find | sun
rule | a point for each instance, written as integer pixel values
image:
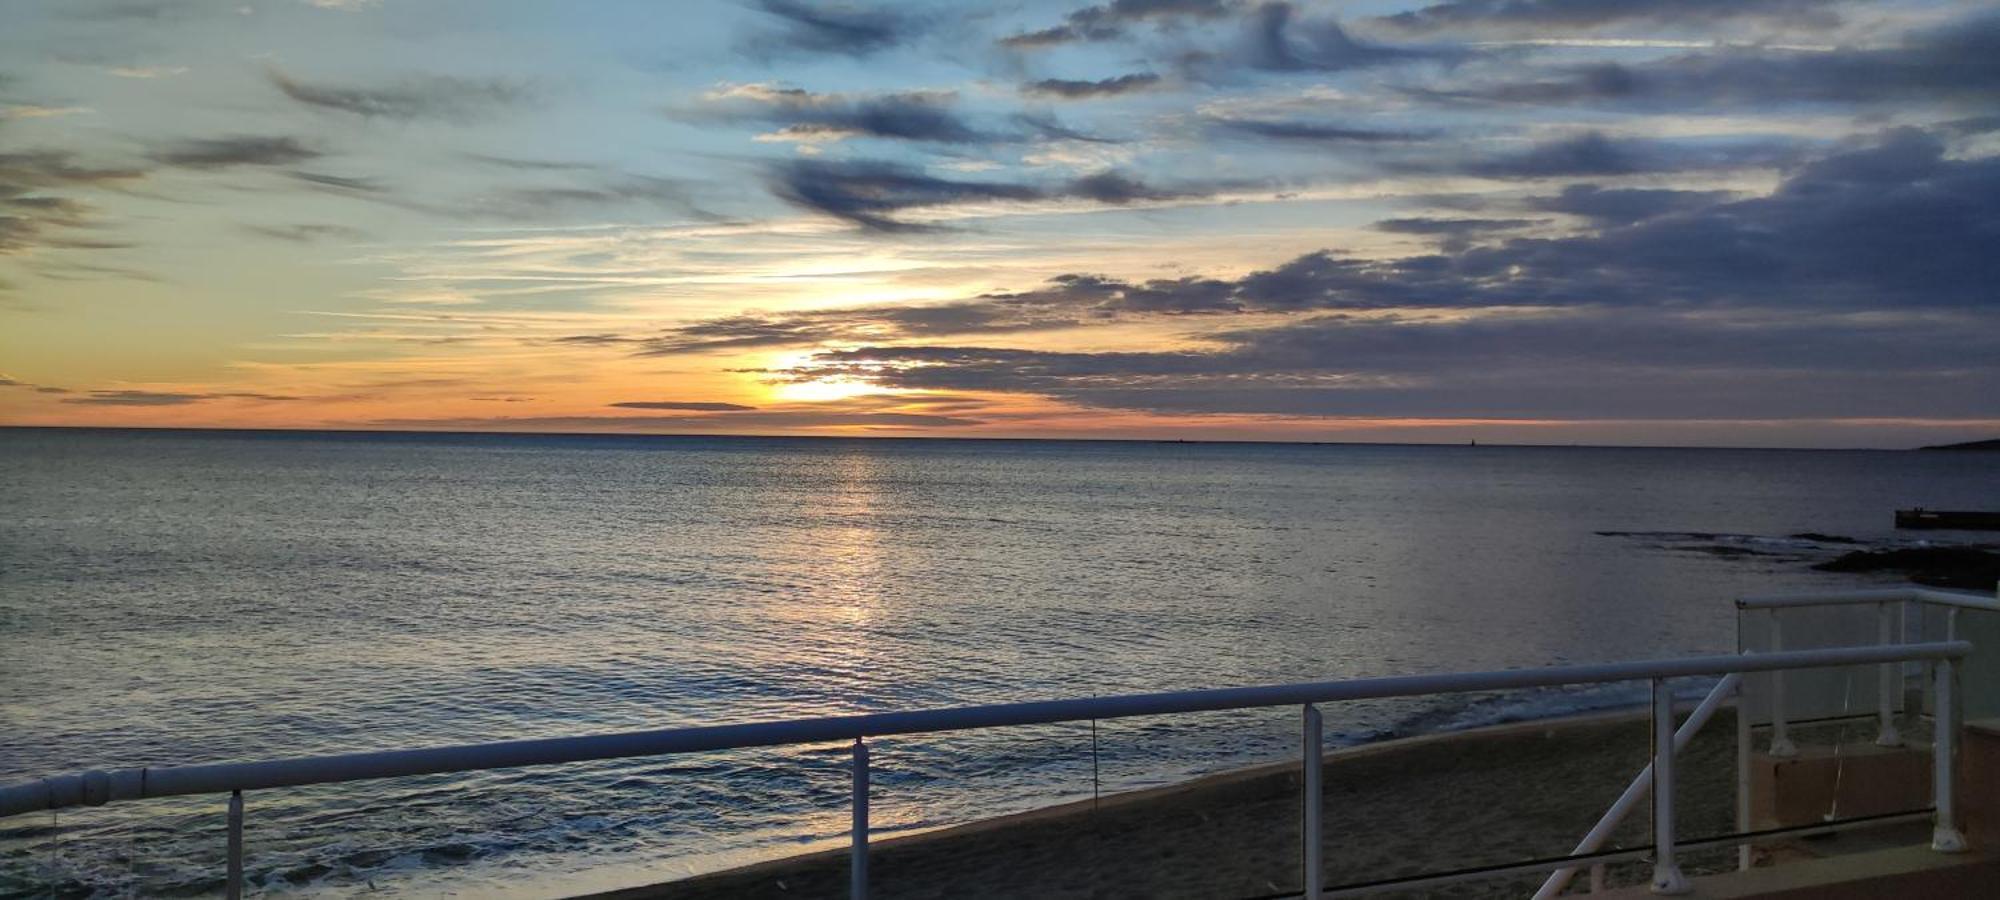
(814, 390)
(822, 390)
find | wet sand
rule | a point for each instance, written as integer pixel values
(1396, 808)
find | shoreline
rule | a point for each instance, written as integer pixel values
(1414, 800)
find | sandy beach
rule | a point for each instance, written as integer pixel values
(1395, 808)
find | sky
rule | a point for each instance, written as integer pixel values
(1679, 222)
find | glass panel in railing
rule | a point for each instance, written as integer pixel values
(1162, 806)
(1979, 674)
(1814, 693)
(1000, 811)
(167, 847)
(723, 824)
(1845, 783)
(1208, 804)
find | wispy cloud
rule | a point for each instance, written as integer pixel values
(684, 405)
(843, 29)
(418, 97)
(147, 71)
(1107, 21)
(228, 152)
(37, 209)
(305, 234)
(1538, 15)
(35, 111)
(1084, 90)
(871, 194)
(1277, 38)
(165, 398)
(806, 116)
(1596, 154)
(1313, 131)
(1958, 62)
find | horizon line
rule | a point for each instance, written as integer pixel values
(924, 437)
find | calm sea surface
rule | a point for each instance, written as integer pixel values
(171, 598)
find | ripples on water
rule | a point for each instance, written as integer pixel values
(169, 598)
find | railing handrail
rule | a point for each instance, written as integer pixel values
(1934, 596)
(96, 787)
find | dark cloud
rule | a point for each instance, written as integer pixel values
(1318, 132)
(1590, 363)
(427, 97)
(1892, 224)
(1676, 304)
(1454, 234)
(1620, 206)
(1536, 15)
(1451, 226)
(1275, 37)
(1956, 63)
(988, 315)
(837, 28)
(1063, 302)
(924, 116)
(164, 398)
(806, 116)
(1595, 155)
(1283, 42)
(1972, 125)
(1107, 21)
(1103, 87)
(871, 193)
(1118, 189)
(686, 405)
(223, 153)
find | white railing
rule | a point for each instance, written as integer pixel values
(1888, 601)
(96, 787)
(1892, 626)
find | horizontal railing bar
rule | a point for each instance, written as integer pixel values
(1935, 596)
(96, 788)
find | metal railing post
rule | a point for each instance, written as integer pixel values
(234, 886)
(857, 885)
(1667, 877)
(1744, 854)
(1781, 736)
(1309, 825)
(1891, 675)
(1945, 836)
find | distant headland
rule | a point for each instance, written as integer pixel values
(1991, 445)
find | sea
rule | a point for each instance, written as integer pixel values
(179, 597)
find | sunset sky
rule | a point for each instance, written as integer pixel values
(1746, 222)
